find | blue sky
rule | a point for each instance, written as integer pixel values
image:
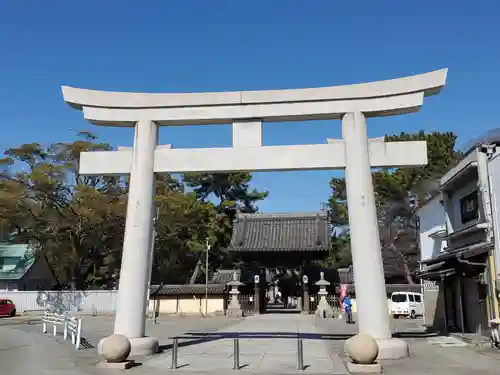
(188, 46)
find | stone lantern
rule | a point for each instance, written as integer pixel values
(324, 310)
(234, 308)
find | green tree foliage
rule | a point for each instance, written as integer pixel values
(182, 227)
(76, 223)
(68, 219)
(232, 190)
(232, 194)
(340, 253)
(398, 193)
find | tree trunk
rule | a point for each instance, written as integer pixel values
(405, 267)
(196, 271)
(407, 272)
(57, 285)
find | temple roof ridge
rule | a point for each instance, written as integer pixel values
(287, 231)
(281, 215)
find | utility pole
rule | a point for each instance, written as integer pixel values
(206, 277)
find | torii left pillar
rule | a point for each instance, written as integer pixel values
(137, 251)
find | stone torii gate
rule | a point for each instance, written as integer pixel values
(247, 110)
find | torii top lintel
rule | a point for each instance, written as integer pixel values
(379, 98)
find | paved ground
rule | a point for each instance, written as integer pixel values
(24, 348)
(268, 345)
(429, 353)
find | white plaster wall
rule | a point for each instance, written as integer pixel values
(187, 305)
(494, 172)
(102, 301)
(432, 219)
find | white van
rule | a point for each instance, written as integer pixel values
(407, 304)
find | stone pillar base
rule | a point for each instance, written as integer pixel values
(125, 365)
(324, 309)
(392, 348)
(235, 312)
(356, 368)
(139, 346)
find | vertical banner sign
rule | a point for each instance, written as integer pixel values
(343, 292)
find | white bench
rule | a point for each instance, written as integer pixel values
(73, 326)
(54, 319)
(70, 325)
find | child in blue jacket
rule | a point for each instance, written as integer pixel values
(348, 309)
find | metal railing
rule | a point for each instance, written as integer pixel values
(247, 302)
(236, 351)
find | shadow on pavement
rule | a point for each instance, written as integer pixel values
(190, 339)
(85, 344)
(415, 335)
(272, 335)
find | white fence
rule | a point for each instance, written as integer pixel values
(89, 301)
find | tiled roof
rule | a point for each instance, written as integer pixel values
(24, 260)
(224, 276)
(187, 289)
(8, 250)
(281, 232)
(217, 285)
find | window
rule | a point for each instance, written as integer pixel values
(411, 298)
(418, 298)
(399, 298)
(469, 207)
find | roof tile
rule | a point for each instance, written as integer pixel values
(187, 289)
(281, 232)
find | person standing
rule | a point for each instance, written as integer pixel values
(348, 309)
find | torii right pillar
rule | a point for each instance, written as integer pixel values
(371, 296)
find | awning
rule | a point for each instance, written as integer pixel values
(437, 274)
(465, 252)
(439, 264)
(468, 230)
(432, 267)
(433, 270)
(441, 257)
(474, 250)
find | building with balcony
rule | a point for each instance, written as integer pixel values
(459, 244)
